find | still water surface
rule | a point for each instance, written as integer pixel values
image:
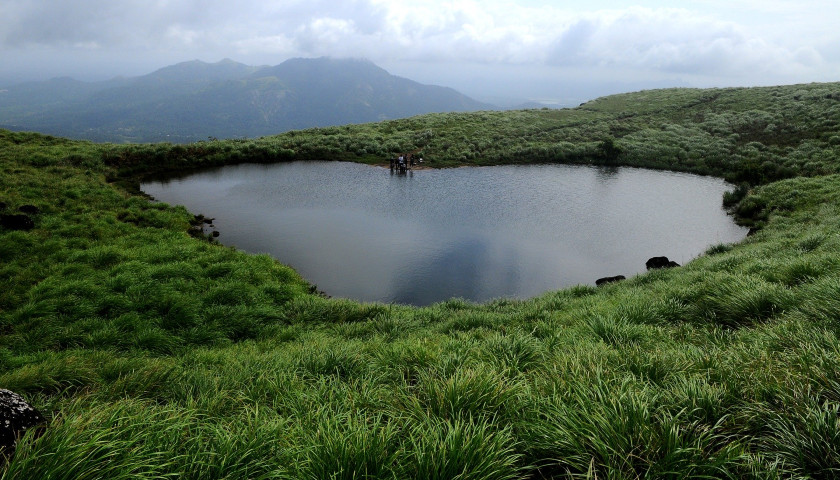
(478, 233)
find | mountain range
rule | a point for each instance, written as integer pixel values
(195, 100)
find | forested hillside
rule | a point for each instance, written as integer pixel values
(154, 352)
(193, 101)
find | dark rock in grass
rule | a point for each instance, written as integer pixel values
(660, 262)
(29, 209)
(16, 222)
(605, 280)
(16, 417)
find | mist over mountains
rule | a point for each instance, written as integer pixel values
(195, 100)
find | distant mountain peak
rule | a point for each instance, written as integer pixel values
(194, 100)
(200, 71)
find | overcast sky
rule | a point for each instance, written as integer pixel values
(557, 51)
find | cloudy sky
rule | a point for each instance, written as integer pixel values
(560, 51)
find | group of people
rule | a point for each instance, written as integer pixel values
(405, 161)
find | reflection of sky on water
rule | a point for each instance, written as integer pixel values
(477, 233)
(466, 267)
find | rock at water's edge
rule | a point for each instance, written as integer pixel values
(605, 280)
(660, 262)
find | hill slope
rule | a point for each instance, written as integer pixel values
(752, 135)
(195, 100)
(154, 353)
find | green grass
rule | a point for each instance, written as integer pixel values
(157, 354)
(751, 136)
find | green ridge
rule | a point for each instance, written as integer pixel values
(159, 354)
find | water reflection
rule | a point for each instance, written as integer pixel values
(478, 233)
(604, 174)
(466, 268)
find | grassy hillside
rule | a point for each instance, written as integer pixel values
(754, 135)
(155, 353)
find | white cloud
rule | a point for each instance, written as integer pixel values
(742, 41)
(674, 41)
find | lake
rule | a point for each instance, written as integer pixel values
(477, 233)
